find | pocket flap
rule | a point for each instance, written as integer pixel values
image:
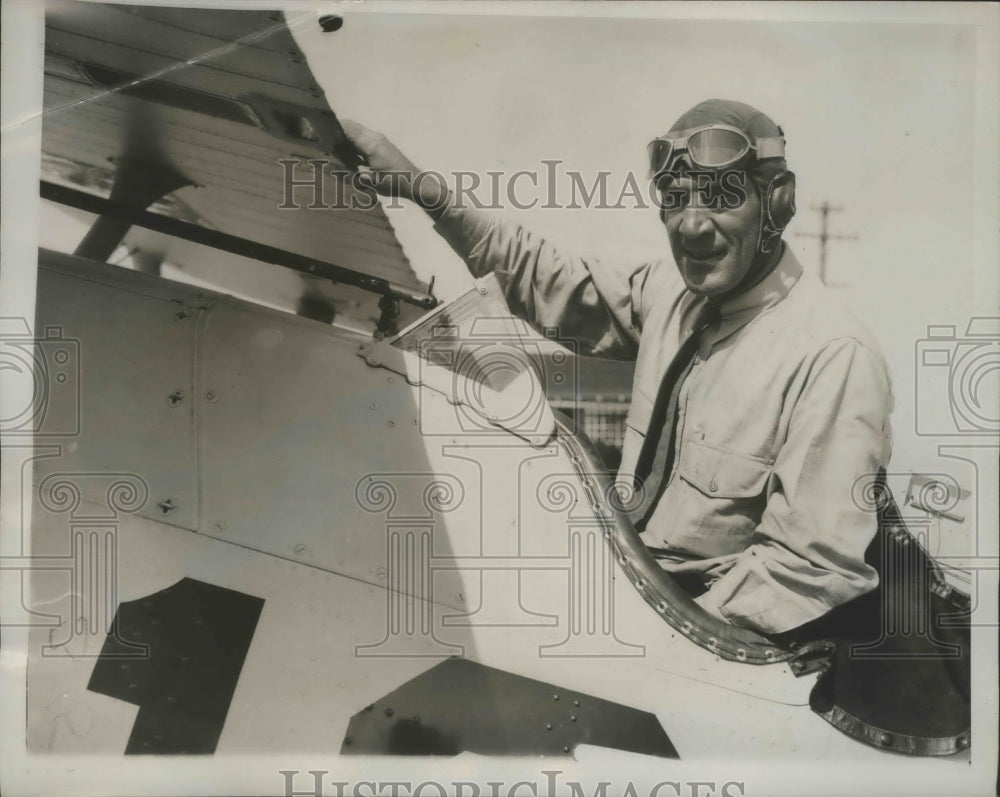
(722, 474)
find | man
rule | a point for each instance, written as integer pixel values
(759, 407)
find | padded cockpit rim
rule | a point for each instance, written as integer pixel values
(656, 585)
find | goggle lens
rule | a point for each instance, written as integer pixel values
(660, 151)
(714, 148)
(711, 148)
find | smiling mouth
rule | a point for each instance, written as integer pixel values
(705, 257)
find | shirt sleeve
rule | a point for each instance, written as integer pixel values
(808, 553)
(599, 307)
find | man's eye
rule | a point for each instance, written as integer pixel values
(673, 196)
(665, 180)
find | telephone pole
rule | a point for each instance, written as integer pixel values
(825, 235)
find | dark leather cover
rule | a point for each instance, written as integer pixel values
(896, 662)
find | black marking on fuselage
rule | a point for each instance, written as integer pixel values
(198, 635)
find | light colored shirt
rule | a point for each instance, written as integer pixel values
(782, 420)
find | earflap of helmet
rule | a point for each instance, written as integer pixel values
(777, 208)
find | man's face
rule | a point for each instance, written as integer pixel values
(712, 220)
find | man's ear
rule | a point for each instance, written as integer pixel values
(780, 200)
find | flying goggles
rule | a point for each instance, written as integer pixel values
(715, 146)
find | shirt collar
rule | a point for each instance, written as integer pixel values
(768, 292)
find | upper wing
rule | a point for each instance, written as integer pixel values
(213, 101)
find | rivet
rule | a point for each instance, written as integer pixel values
(390, 424)
(713, 485)
(555, 697)
(348, 740)
(962, 742)
(300, 548)
(373, 405)
(565, 748)
(330, 22)
(389, 712)
(576, 702)
(548, 726)
(885, 739)
(572, 717)
(211, 395)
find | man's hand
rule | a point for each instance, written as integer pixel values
(389, 172)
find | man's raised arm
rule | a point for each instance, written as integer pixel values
(599, 307)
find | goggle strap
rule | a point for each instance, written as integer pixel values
(772, 147)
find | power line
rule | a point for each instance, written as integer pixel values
(825, 235)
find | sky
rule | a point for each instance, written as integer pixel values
(880, 119)
(869, 112)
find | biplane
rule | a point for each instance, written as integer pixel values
(284, 499)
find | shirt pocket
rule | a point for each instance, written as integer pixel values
(717, 501)
(718, 473)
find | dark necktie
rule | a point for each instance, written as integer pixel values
(656, 458)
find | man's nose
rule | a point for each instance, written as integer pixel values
(695, 223)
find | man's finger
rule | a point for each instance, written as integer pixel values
(353, 130)
(357, 152)
(360, 136)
